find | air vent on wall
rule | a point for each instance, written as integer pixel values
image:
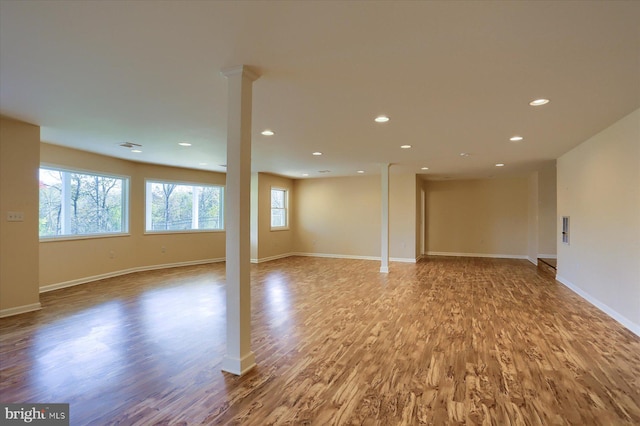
(324, 171)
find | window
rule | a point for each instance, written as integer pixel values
(278, 208)
(78, 203)
(172, 206)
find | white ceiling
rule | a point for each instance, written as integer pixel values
(453, 76)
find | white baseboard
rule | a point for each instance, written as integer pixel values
(548, 256)
(20, 310)
(336, 256)
(627, 323)
(84, 280)
(498, 256)
(350, 256)
(534, 261)
(270, 258)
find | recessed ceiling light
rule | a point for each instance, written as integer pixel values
(360, 171)
(317, 153)
(136, 150)
(381, 119)
(405, 146)
(202, 164)
(184, 144)
(305, 174)
(424, 168)
(538, 102)
(499, 164)
(267, 132)
(516, 138)
(464, 154)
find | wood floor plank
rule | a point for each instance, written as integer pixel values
(444, 341)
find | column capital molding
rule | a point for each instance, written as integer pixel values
(241, 70)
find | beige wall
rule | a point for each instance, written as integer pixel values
(19, 162)
(482, 217)
(338, 216)
(341, 216)
(547, 217)
(272, 244)
(533, 217)
(599, 189)
(402, 217)
(67, 261)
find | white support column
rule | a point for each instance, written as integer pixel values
(384, 223)
(239, 358)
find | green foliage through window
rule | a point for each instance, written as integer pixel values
(178, 207)
(74, 203)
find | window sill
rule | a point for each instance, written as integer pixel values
(280, 228)
(186, 231)
(61, 238)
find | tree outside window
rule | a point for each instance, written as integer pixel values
(173, 206)
(278, 208)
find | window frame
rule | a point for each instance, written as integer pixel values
(125, 203)
(148, 211)
(285, 209)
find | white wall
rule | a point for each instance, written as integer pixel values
(599, 188)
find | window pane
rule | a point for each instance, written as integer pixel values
(179, 207)
(278, 208)
(50, 202)
(74, 203)
(210, 210)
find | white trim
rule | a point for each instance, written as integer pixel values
(355, 257)
(239, 366)
(499, 256)
(337, 256)
(65, 284)
(534, 261)
(548, 256)
(403, 259)
(270, 258)
(627, 323)
(20, 310)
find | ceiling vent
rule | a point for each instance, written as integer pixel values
(130, 145)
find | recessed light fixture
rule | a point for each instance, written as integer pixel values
(538, 102)
(317, 153)
(381, 119)
(516, 138)
(136, 151)
(499, 164)
(405, 146)
(305, 174)
(424, 168)
(184, 144)
(360, 171)
(267, 132)
(202, 164)
(464, 154)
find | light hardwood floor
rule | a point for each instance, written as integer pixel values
(443, 341)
